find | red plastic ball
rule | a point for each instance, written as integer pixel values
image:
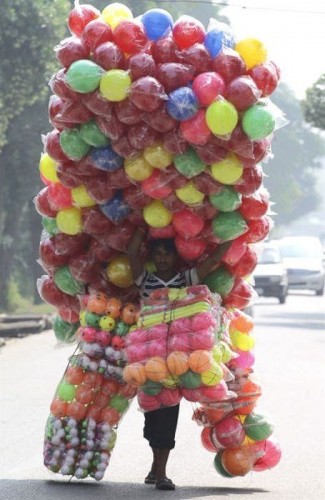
(95, 33)
(80, 16)
(130, 36)
(187, 31)
(208, 86)
(187, 223)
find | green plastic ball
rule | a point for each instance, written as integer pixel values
(226, 200)
(66, 282)
(189, 164)
(64, 331)
(92, 135)
(219, 467)
(66, 391)
(119, 403)
(190, 380)
(151, 388)
(49, 224)
(229, 225)
(258, 122)
(258, 426)
(220, 281)
(84, 76)
(73, 145)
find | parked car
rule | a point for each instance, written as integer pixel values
(303, 258)
(270, 274)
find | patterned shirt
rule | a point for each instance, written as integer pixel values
(147, 282)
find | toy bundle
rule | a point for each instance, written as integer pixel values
(179, 355)
(92, 396)
(161, 123)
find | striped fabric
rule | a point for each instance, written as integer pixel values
(147, 282)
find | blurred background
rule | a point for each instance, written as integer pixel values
(295, 175)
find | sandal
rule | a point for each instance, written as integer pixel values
(165, 484)
(151, 478)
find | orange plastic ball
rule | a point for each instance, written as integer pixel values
(243, 323)
(59, 408)
(110, 415)
(113, 308)
(238, 461)
(177, 362)
(156, 369)
(200, 361)
(84, 394)
(97, 303)
(74, 375)
(76, 410)
(135, 374)
(129, 313)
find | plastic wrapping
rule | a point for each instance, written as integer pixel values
(175, 351)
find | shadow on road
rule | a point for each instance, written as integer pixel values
(76, 490)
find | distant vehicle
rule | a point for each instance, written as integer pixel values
(270, 274)
(303, 258)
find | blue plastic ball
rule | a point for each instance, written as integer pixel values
(106, 159)
(182, 104)
(157, 23)
(217, 38)
(116, 209)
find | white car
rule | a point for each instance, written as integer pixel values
(270, 274)
(303, 258)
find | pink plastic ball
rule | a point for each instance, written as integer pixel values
(208, 86)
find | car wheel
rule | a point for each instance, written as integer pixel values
(320, 291)
(282, 299)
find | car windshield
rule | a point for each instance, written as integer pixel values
(301, 249)
(270, 256)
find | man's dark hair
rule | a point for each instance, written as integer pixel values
(167, 244)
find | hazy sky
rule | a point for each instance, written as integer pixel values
(293, 35)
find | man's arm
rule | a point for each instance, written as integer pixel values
(212, 261)
(134, 252)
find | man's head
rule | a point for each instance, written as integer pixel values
(164, 254)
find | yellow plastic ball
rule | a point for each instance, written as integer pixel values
(81, 198)
(189, 195)
(252, 51)
(114, 85)
(171, 381)
(107, 323)
(138, 169)
(119, 272)
(69, 221)
(213, 376)
(157, 215)
(227, 171)
(221, 117)
(47, 168)
(82, 318)
(245, 342)
(114, 13)
(158, 156)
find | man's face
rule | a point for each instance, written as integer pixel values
(163, 259)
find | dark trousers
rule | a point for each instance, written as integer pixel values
(160, 427)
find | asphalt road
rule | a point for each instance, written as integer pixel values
(290, 364)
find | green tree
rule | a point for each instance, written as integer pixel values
(297, 152)
(314, 104)
(29, 31)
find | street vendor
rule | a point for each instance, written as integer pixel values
(160, 425)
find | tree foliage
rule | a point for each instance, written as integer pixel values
(314, 104)
(297, 153)
(29, 31)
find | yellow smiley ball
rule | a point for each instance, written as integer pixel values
(81, 198)
(158, 156)
(107, 323)
(69, 221)
(119, 272)
(189, 194)
(114, 85)
(252, 51)
(114, 13)
(157, 215)
(47, 168)
(227, 171)
(138, 169)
